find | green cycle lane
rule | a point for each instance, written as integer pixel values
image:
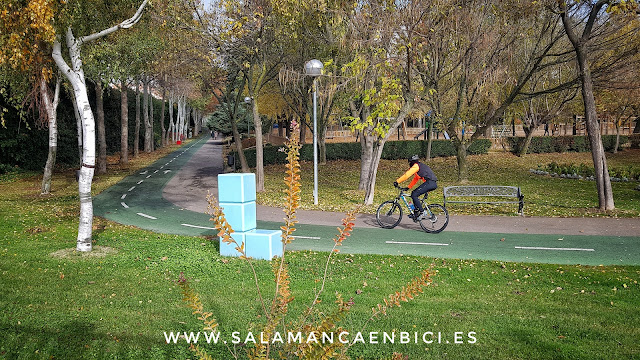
(137, 200)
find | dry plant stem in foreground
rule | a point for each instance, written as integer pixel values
(276, 314)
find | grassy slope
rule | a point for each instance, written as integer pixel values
(119, 305)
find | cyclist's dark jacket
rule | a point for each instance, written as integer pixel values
(420, 172)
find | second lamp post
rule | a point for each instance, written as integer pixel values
(313, 68)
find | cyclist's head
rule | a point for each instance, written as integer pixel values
(413, 159)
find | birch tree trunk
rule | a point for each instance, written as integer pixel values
(172, 128)
(124, 123)
(152, 138)
(145, 115)
(136, 136)
(102, 141)
(78, 123)
(51, 107)
(163, 141)
(75, 75)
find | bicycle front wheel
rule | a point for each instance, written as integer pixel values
(436, 220)
(389, 214)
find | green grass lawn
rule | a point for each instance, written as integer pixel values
(118, 303)
(544, 195)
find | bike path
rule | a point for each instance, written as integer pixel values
(138, 200)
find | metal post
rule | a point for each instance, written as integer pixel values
(315, 144)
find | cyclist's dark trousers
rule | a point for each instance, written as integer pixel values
(427, 186)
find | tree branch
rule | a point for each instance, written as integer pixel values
(123, 25)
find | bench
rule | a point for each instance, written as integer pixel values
(485, 191)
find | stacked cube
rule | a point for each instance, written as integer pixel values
(237, 197)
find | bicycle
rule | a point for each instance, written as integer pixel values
(434, 220)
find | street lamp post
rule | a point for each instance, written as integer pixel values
(313, 68)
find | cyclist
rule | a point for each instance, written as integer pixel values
(422, 172)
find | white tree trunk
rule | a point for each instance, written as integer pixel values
(75, 75)
(172, 126)
(78, 124)
(51, 106)
(145, 115)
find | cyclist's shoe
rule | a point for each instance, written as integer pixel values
(424, 215)
(415, 216)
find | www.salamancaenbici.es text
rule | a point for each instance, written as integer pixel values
(344, 337)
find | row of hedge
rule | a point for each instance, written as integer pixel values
(550, 144)
(352, 151)
(25, 145)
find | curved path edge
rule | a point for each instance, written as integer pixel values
(169, 196)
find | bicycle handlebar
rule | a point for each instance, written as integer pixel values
(402, 188)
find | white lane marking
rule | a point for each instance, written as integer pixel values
(147, 216)
(124, 205)
(166, 171)
(142, 173)
(156, 171)
(123, 196)
(161, 167)
(415, 243)
(131, 188)
(199, 227)
(306, 237)
(166, 164)
(148, 176)
(550, 248)
(140, 182)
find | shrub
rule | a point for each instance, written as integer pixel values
(629, 172)
(550, 144)
(393, 150)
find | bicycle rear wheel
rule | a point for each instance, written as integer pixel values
(438, 221)
(389, 214)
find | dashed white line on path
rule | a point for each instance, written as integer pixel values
(306, 237)
(415, 243)
(550, 248)
(144, 172)
(147, 216)
(199, 227)
(140, 182)
(131, 188)
(123, 196)
(124, 205)
(148, 176)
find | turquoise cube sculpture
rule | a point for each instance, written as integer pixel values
(236, 187)
(263, 244)
(230, 249)
(240, 216)
(237, 198)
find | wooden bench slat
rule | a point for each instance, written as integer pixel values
(484, 191)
